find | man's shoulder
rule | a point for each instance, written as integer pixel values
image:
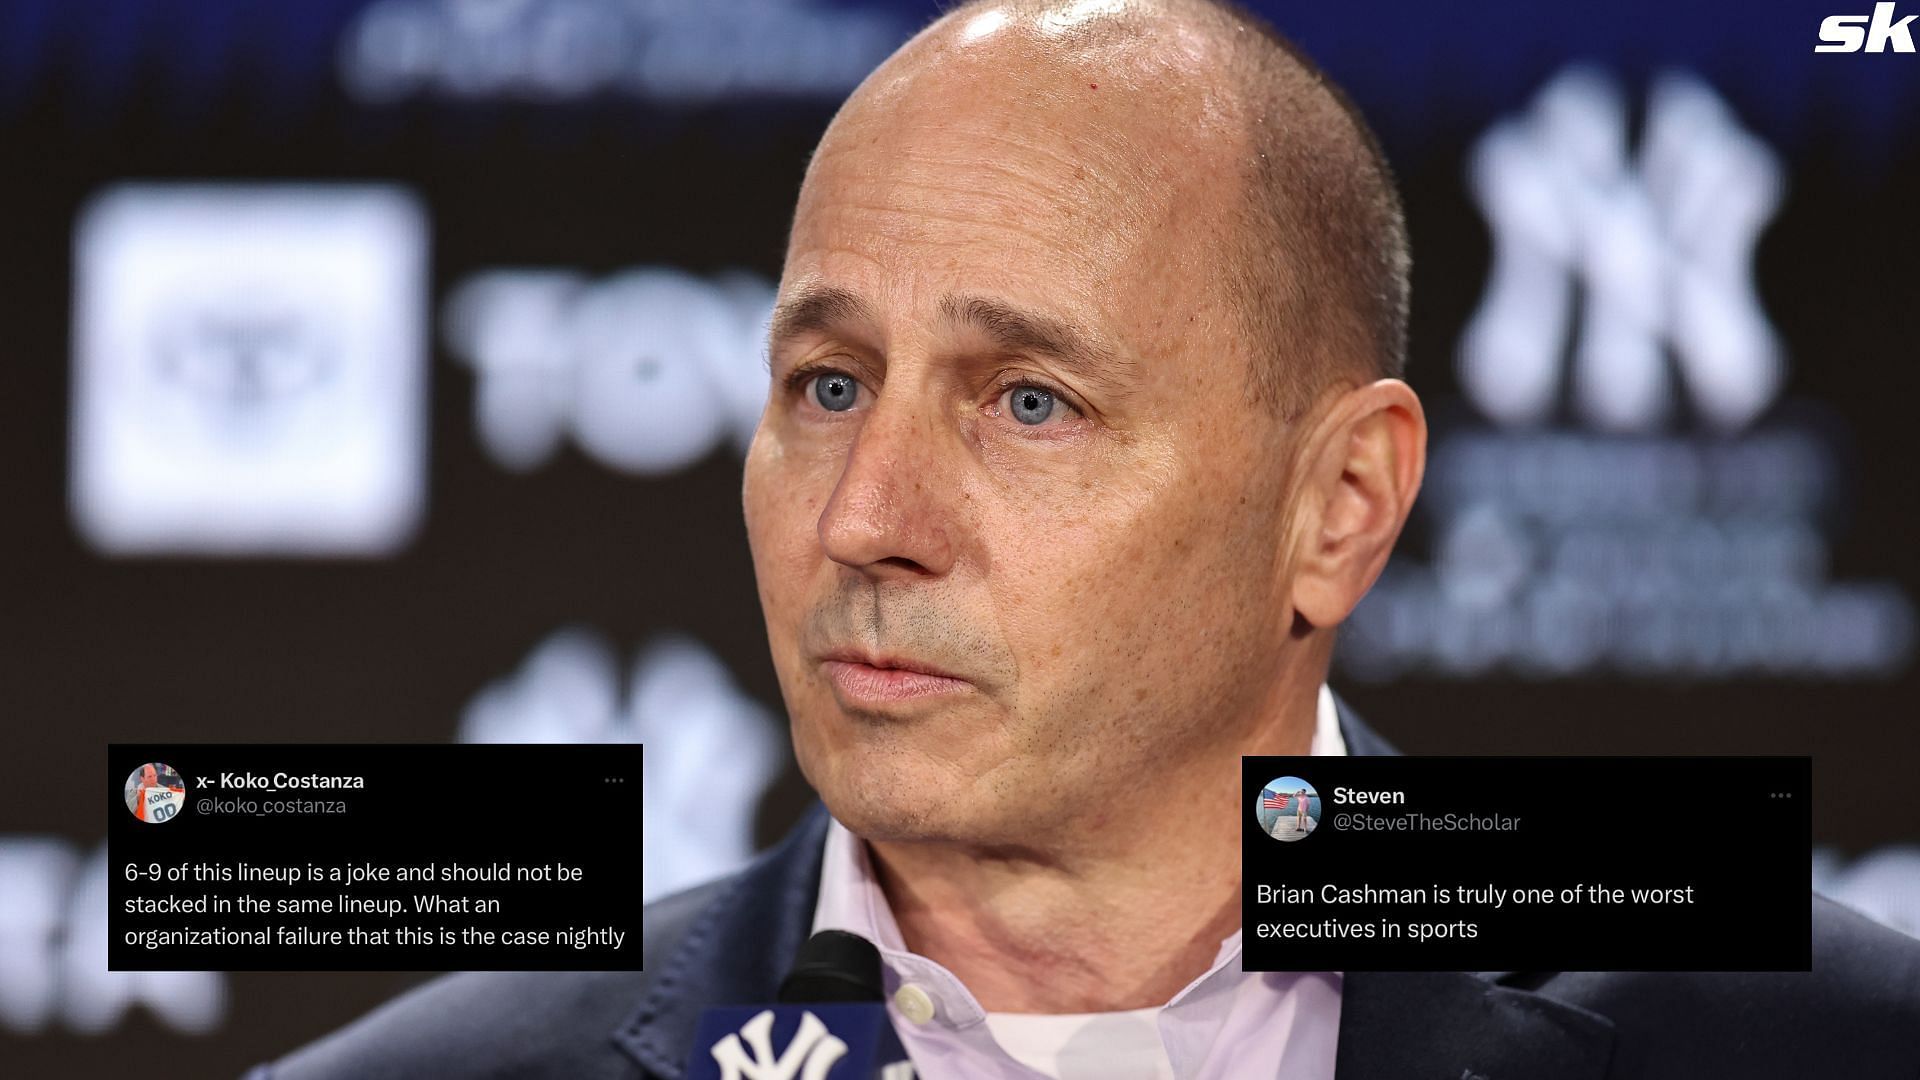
(505, 1023)
(1859, 966)
(1859, 1007)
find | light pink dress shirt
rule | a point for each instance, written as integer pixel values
(1226, 1025)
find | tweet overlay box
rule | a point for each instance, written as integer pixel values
(374, 857)
(1514, 863)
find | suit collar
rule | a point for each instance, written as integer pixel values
(734, 951)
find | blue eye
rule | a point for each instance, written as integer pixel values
(1031, 405)
(835, 391)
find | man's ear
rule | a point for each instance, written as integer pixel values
(1363, 466)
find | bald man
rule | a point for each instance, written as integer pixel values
(1086, 432)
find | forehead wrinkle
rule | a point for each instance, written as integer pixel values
(953, 204)
(908, 242)
(899, 242)
(1005, 170)
(1025, 331)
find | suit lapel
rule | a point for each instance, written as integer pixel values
(735, 951)
(1361, 740)
(1451, 1025)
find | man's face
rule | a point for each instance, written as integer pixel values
(1009, 441)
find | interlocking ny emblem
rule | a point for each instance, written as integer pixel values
(809, 1056)
(1662, 243)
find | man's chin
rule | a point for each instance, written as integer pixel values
(892, 803)
(906, 784)
(887, 825)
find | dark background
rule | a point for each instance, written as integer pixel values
(188, 647)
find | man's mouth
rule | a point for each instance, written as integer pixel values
(871, 678)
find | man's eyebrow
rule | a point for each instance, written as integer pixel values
(829, 308)
(817, 309)
(1027, 331)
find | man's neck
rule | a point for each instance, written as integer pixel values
(1127, 928)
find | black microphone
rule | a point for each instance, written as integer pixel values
(831, 1023)
(834, 965)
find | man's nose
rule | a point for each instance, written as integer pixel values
(888, 514)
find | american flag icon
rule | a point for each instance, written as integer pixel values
(1274, 801)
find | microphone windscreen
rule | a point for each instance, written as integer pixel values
(834, 966)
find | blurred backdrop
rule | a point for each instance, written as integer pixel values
(380, 372)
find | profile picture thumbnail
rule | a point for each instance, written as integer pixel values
(1289, 808)
(155, 792)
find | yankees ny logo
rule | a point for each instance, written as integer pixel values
(1663, 245)
(810, 1056)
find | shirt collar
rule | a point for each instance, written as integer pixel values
(1327, 740)
(851, 899)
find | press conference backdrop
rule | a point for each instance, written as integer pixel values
(381, 371)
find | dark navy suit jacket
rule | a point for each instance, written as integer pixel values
(1856, 1016)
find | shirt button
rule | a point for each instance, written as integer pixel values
(913, 1003)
